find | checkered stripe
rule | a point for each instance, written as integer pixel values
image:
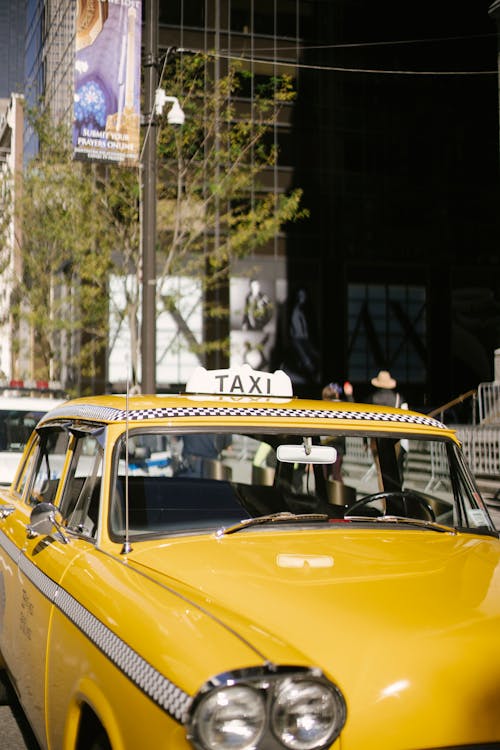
(168, 696)
(179, 412)
(10, 548)
(43, 583)
(84, 411)
(158, 688)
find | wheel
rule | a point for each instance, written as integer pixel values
(408, 501)
(5, 689)
(100, 742)
(91, 733)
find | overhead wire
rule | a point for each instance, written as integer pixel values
(381, 71)
(241, 55)
(386, 43)
(339, 68)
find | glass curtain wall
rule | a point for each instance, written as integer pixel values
(12, 21)
(49, 61)
(265, 37)
(60, 58)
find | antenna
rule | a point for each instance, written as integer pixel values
(127, 547)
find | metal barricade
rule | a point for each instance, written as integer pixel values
(440, 471)
(488, 396)
(356, 449)
(481, 446)
(358, 453)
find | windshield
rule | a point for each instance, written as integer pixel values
(187, 482)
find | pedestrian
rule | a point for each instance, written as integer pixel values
(198, 448)
(335, 392)
(385, 393)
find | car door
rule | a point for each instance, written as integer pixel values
(14, 516)
(41, 562)
(30, 574)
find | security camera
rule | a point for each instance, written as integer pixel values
(176, 115)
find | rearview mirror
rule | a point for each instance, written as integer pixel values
(306, 454)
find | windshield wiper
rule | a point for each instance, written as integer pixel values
(431, 525)
(284, 517)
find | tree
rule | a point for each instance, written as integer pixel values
(81, 223)
(60, 290)
(212, 208)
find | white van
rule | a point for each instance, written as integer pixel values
(18, 417)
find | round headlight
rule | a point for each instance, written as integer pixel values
(232, 717)
(307, 715)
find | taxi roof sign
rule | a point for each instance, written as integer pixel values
(240, 381)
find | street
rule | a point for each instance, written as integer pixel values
(15, 733)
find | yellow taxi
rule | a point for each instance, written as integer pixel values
(233, 568)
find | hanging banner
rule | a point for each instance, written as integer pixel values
(106, 125)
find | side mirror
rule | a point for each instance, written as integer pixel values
(43, 521)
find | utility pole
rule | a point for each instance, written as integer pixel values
(217, 292)
(148, 239)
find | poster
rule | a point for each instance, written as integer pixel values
(106, 124)
(258, 297)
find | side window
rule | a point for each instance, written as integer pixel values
(27, 468)
(81, 498)
(48, 465)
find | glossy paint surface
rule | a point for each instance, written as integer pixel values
(405, 621)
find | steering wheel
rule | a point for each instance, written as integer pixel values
(404, 496)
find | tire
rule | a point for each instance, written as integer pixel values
(5, 689)
(100, 742)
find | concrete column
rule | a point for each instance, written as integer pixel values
(497, 365)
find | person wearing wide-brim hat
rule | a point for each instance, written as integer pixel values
(385, 393)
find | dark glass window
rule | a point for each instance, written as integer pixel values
(251, 84)
(241, 16)
(183, 13)
(280, 17)
(387, 328)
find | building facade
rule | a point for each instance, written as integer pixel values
(12, 25)
(405, 179)
(393, 139)
(11, 161)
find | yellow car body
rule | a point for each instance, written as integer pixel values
(366, 624)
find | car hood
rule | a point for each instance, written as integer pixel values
(388, 614)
